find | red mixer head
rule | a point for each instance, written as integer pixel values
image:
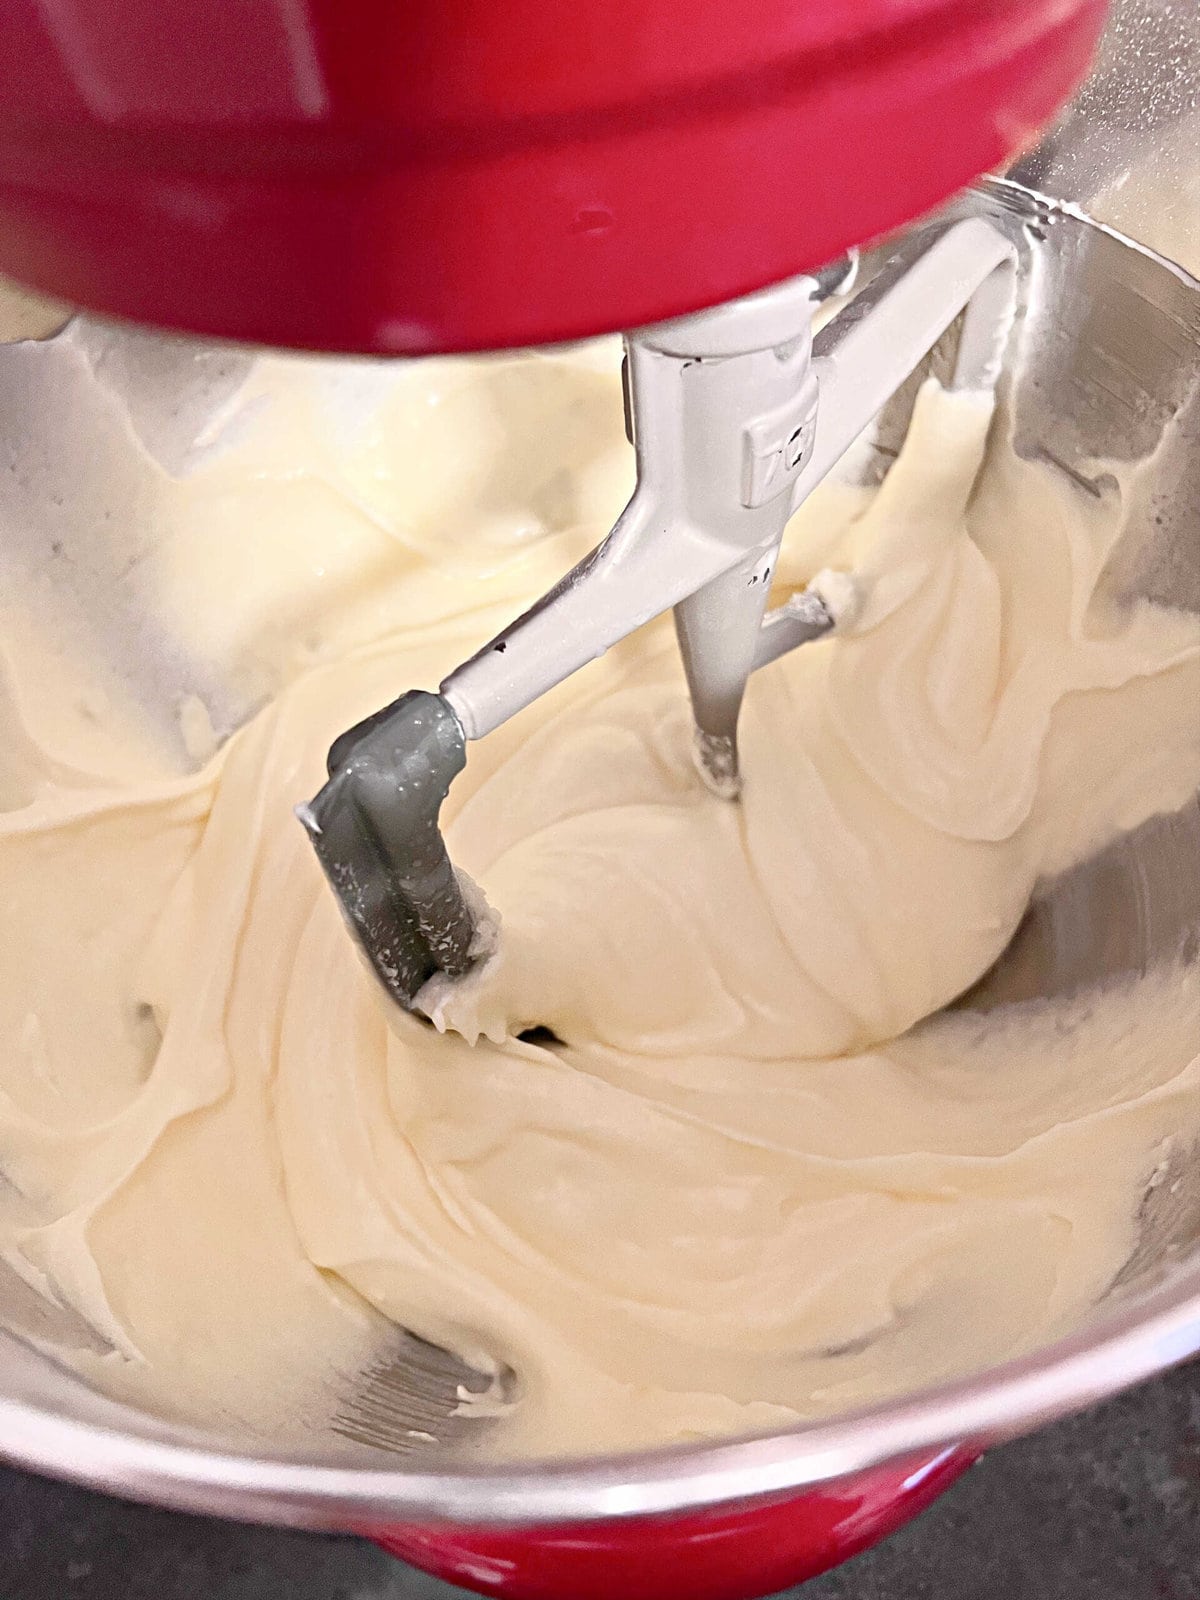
(453, 174)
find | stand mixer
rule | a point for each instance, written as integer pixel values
(295, 194)
(463, 181)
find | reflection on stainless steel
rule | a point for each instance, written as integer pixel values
(1168, 1223)
(412, 1402)
(1135, 906)
(1103, 386)
(1126, 149)
(87, 419)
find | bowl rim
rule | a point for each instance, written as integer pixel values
(1142, 1337)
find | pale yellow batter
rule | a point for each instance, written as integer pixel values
(751, 1184)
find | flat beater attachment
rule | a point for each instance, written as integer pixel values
(736, 414)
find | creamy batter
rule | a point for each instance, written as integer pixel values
(747, 1181)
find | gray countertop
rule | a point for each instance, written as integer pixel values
(1103, 1507)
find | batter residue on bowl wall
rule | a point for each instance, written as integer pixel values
(750, 1182)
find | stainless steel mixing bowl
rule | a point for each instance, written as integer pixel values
(1103, 383)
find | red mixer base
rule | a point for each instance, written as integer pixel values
(732, 1553)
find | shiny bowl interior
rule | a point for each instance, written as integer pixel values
(1103, 383)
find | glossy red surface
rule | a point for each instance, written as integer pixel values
(730, 1553)
(451, 174)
